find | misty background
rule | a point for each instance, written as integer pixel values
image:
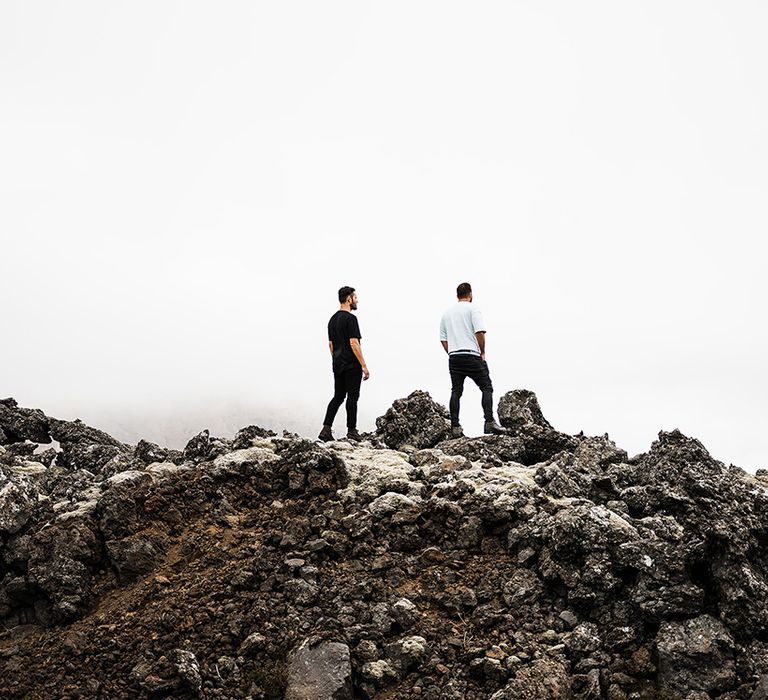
(185, 185)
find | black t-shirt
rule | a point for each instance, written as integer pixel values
(343, 326)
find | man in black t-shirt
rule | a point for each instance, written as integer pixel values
(349, 368)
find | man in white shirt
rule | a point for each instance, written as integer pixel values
(462, 334)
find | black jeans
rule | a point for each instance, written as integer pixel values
(345, 384)
(465, 365)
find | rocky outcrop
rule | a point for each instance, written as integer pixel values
(520, 414)
(416, 420)
(529, 565)
(18, 424)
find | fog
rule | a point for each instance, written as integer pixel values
(184, 186)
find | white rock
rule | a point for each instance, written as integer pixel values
(163, 469)
(392, 502)
(373, 472)
(377, 671)
(258, 454)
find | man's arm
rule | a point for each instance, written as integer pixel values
(480, 335)
(330, 345)
(358, 351)
(444, 343)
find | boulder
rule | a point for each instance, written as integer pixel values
(18, 497)
(22, 423)
(489, 449)
(149, 452)
(245, 436)
(133, 556)
(520, 413)
(416, 420)
(321, 672)
(695, 654)
(520, 408)
(188, 670)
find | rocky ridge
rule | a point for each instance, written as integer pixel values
(529, 565)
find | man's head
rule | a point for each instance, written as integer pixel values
(347, 295)
(464, 291)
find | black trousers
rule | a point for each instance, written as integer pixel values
(465, 365)
(345, 384)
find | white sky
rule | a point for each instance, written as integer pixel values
(184, 186)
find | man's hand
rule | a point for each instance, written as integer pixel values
(355, 345)
(482, 356)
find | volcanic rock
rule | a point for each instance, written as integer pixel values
(321, 672)
(416, 420)
(528, 565)
(22, 423)
(696, 654)
(520, 413)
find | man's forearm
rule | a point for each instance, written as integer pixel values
(444, 343)
(481, 342)
(358, 352)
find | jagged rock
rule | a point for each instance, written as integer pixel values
(133, 556)
(378, 672)
(416, 420)
(523, 585)
(73, 432)
(252, 642)
(470, 570)
(60, 566)
(149, 452)
(120, 507)
(406, 653)
(83, 455)
(21, 449)
(188, 669)
(520, 408)
(400, 507)
(519, 412)
(64, 485)
(18, 496)
(199, 446)
(20, 424)
(405, 613)
(696, 654)
(246, 436)
(490, 449)
(305, 466)
(321, 672)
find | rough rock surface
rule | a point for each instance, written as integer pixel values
(416, 420)
(526, 566)
(321, 672)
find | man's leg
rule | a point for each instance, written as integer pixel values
(339, 392)
(481, 376)
(352, 380)
(457, 388)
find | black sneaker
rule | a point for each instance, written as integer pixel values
(493, 428)
(354, 436)
(326, 434)
(457, 431)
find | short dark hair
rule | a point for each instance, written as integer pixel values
(345, 292)
(463, 290)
